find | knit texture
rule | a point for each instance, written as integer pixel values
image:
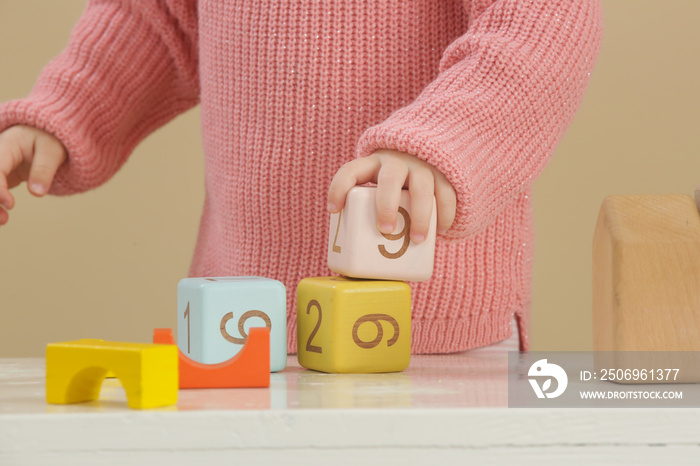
(481, 89)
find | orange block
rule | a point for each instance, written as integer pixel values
(249, 368)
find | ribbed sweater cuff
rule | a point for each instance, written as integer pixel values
(116, 81)
(34, 113)
(494, 114)
(419, 143)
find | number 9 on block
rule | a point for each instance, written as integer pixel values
(356, 247)
(346, 325)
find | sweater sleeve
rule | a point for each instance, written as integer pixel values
(129, 67)
(506, 91)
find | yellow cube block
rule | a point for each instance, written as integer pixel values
(349, 325)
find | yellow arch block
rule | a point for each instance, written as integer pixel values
(75, 371)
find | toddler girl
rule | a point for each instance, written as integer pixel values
(301, 100)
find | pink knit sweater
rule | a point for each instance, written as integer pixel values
(291, 90)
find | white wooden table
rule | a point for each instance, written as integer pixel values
(442, 410)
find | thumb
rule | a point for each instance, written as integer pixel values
(49, 154)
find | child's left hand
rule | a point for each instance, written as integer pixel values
(393, 170)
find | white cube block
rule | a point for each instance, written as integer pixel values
(215, 316)
(356, 247)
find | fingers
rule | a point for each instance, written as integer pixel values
(30, 154)
(358, 171)
(49, 154)
(390, 180)
(421, 187)
(392, 171)
(446, 200)
(10, 159)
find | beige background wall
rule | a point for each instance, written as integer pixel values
(105, 264)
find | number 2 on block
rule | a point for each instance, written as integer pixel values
(309, 347)
(402, 234)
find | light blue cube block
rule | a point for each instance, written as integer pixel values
(215, 314)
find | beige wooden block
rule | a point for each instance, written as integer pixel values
(356, 247)
(646, 274)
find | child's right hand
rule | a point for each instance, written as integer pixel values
(27, 154)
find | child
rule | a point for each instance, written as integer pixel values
(462, 99)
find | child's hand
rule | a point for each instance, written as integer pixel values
(391, 171)
(27, 154)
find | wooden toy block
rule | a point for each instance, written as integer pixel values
(250, 367)
(646, 274)
(356, 247)
(215, 315)
(346, 325)
(75, 371)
